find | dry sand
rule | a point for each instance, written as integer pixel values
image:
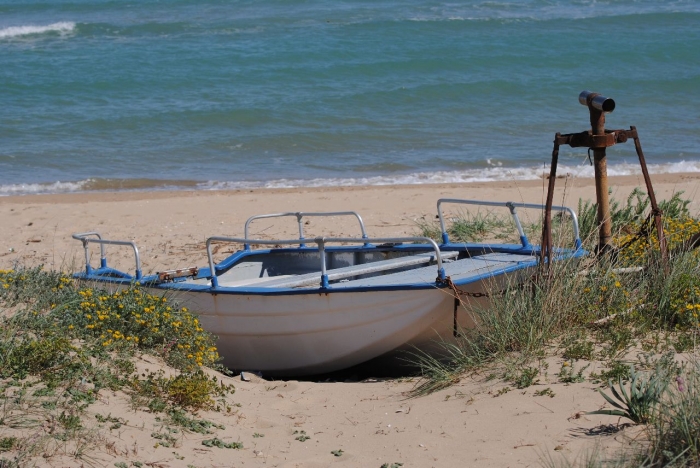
(473, 423)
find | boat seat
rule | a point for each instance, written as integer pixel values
(459, 270)
(314, 279)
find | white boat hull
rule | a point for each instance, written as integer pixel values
(301, 334)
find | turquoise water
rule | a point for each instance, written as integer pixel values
(147, 94)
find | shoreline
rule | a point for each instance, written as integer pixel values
(130, 195)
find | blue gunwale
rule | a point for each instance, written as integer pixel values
(112, 276)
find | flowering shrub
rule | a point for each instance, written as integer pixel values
(605, 295)
(126, 319)
(685, 301)
(637, 250)
(132, 317)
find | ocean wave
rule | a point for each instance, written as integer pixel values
(38, 188)
(551, 11)
(488, 174)
(62, 27)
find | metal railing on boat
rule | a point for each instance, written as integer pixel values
(300, 215)
(512, 207)
(85, 238)
(321, 244)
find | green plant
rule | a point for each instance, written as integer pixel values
(116, 422)
(685, 341)
(637, 405)
(527, 377)
(200, 426)
(302, 437)
(579, 350)
(617, 370)
(674, 432)
(468, 227)
(70, 422)
(442, 371)
(568, 375)
(216, 442)
(192, 391)
(621, 216)
(8, 443)
(545, 392)
(165, 439)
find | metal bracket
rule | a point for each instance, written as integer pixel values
(170, 275)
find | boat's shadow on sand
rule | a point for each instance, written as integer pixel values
(373, 370)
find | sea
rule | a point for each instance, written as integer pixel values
(125, 95)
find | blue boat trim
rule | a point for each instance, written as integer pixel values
(112, 276)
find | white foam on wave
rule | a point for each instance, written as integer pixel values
(54, 187)
(62, 27)
(489, 174)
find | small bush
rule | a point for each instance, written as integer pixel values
(8, 443)
(124, 320)
(76, 340)
(640, 401)
(190, 391)
(133, 318)
(674, 433)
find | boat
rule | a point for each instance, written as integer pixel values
(305, 306)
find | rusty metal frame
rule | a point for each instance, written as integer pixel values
(598, 139)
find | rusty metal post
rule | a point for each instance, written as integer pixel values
(598, 106)
(655, 211)
(546, 246)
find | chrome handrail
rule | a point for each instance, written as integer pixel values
(321, 243)
(512, 207)
(85, 239)
(300, 215)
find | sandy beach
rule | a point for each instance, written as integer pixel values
(476, 422)
(170, 228)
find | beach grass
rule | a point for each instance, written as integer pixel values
(61, 342)
(612, 310)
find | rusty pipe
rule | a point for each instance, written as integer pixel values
(596, 101)
(598, 105)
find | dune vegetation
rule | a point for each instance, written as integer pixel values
(629, 311)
